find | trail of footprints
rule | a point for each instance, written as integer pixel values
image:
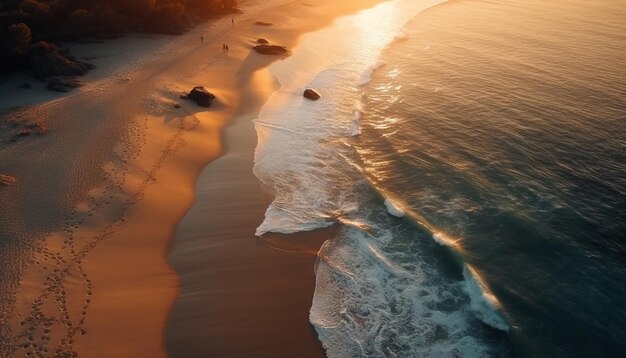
(51, 327)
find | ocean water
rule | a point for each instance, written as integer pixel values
(471, 156)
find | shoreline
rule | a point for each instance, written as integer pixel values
(106, 238)
(130, 214)
(241, 295)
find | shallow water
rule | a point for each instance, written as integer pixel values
(481, 208)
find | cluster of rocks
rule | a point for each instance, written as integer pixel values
(266, 49)
(48, 63)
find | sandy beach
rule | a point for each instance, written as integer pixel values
(384, 178)
(122, 166)
(245, 296)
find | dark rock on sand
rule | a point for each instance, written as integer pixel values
(262, 41)
(263, 23)
(311, 94)
(47, 61)
(201, 96)
(64, 84)
(270, 49)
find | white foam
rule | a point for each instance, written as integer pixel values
(367, 301)
(402, 35)
(293, 164)
(483, 303)
(297, 156)
(366, 304)
(355, 126)
(443, 239)
(366, 76)
(355, 130)
(394, 209)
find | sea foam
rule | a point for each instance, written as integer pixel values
(373, 302)
(368, 301)
(393, 209)
(366, 76)
(483, 303)
(297, 156)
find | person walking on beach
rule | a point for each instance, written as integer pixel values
(201, 39)
(233, 21)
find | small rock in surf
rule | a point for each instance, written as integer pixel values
(311, 94)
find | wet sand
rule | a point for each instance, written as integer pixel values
(240, 295)
(244, 296)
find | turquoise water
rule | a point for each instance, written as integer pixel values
(476, 176)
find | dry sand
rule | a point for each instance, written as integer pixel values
(106, 186)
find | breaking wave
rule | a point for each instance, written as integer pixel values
(380, 289)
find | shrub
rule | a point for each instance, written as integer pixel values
(27, 21)
(19, 38)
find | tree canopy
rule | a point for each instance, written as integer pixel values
(25, 22)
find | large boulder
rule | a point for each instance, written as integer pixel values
(270, 49)
(311, 94)
(201, 96)
(47, 61)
